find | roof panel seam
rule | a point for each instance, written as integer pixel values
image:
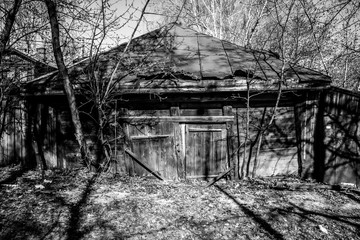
(227, 57)
(200, 64)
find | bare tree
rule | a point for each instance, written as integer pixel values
(235, 21)
(10, 16)
(102, 91)
(63, 72)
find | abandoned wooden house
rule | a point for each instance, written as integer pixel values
(192, 106)
(16, 68)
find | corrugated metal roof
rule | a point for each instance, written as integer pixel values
(189, 55)
(207, 57)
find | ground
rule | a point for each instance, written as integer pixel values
(84, 205)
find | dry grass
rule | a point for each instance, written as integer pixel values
(82, 205)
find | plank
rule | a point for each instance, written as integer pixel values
(141, 163)
(179, 151)
(205, 130)
(221, 175)
(150, 137)
(183, 119)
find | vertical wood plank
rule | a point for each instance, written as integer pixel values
(199, 156)
(129, 163)
(207, 153)
(299, 121)
(230, 139)
(23, 131)
(179, 144)
(238, 144)
(213, 158)
(183, 150)
(163, 148)
(188, 151)
(60, 152)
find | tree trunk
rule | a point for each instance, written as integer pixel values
(9, 22)
(63, 73)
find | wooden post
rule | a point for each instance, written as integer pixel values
(178, 143)
(228, 111)
(237, 146)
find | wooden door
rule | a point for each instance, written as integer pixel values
(157, 153)
(206, 150)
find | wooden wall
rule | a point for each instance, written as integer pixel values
(342, 136)
(330, 137)
(50, 139)
(316, 137)
(17, 68)
(12, 148)
(271, 147)
(200, 142)
(177, 141)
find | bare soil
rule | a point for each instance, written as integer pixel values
(84, 205)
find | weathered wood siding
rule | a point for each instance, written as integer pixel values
(17, 68)
(153, 143)
(342, 140)
(315, 136)
(271, 148)
(205, 150)
(176, 142)
(12, 148)
(50, 139)
(201, 142)
(330, 137)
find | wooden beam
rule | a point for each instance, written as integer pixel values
(182, 119)
(147, 168)
(220, 176)
(150, 137)
(205, 130)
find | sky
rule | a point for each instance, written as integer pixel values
(124, 8)
(134, 7)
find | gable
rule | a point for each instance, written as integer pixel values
(16, 65)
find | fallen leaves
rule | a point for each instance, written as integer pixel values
(323, 229)
(82, 205)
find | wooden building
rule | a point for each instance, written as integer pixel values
(190, 105)
(16, 69)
